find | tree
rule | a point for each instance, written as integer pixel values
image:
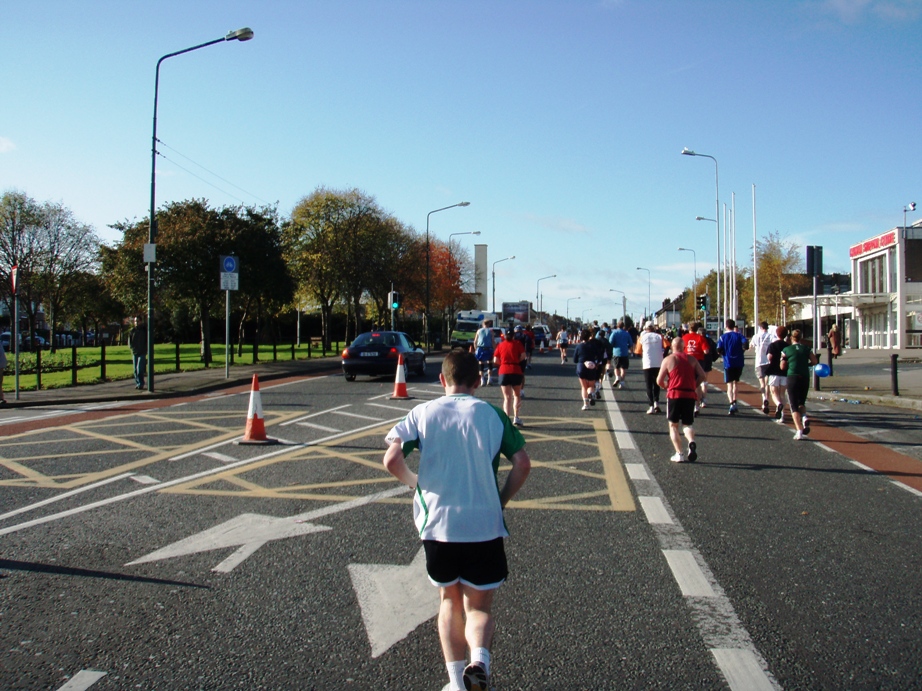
(779, 259)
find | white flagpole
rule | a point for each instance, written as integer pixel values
(755, 262)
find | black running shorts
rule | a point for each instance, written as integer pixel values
(481, 565)
(681, 410)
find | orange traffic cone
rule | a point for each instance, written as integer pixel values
(400, 383)
(256, 427)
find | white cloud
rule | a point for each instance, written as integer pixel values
(852, 11)
(6, 145)
(560, 225)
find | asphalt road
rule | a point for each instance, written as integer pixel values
(142, 548)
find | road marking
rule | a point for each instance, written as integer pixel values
(655, 510)
(636, 471)
(82, 680)
(248, 532)
(687, 573)
(394, 600)
(718, 624)
(622, 435)
(389, 407)
(59, 497)
(308, 417)
(322, 428)
(913, 490)
(741, 669)
(355, 415)
(223, 457)
(145, 480)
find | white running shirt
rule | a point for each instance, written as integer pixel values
(459, 438)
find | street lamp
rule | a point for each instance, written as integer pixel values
(426, 315)
(568, 310)
(244, 34)
(649, 310)
(688, 152)
(623, 301)
(537, 304)
(494, 278)
(695, 264)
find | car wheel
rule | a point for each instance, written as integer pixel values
(349, 377)
(421, 370)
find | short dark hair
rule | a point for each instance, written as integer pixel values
(764, 325)
(731, 324)
(460, 368)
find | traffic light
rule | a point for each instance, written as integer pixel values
(701, 302)
(394, 298)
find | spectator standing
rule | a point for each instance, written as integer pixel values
(458, 509)
(732, 346)
(680, 374)
(137, 343)
(833, 345)
(796, 360)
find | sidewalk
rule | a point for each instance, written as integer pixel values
(171, 384)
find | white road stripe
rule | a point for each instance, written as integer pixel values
(308, 417)
(145, 479)
(390, 407)
(322, 428)
(655, 510)
(741, 669)
(82, 680)
(857, 463)
(622, 435)
(636, 471)
(355, 415)
(223, 457)
(912, 490)
(59, 497)
(687, 573)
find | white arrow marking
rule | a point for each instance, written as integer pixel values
(83, 680)
(249, 531)
(394, 600)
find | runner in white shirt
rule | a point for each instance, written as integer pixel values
(652, 344)
(759, 345)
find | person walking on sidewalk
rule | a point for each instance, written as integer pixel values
(759, 345)
(137, 343)
(681, 375)
(732, 346)
(458, 509)
(653, 353)
(796, 361)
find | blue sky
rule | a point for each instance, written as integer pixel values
(562, 122)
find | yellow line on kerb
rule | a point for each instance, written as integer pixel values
(618, 489)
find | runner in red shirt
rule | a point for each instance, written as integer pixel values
(509, 357)
(681, 375)
(696, 346)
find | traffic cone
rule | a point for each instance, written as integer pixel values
(400, 383)
(256, 427)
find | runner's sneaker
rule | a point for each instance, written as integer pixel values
(651, 410)
(518, 422)
(765, 406)
(798, 435)
(585, 406)
(620, 383)
(521, 393)
(692, 452)
(697, 409)
(779, 412)
(806, 425)
(475, 678)
(656, 408)
(678, 458)
(733, 409)
(592, 400)
(703, 404)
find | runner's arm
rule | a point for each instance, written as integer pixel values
(521, 466)
(395, 463)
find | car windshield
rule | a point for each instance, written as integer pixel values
(467, 326)
(376, 338)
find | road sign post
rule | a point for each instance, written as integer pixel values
(230, 280)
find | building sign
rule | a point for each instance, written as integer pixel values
(872, 245)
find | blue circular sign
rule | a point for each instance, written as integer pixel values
(230, 265)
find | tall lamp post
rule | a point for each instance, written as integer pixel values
(688, 152)
(435, 211)
(568, 310)
(649, 280)
(623, 301)
(494, 278)
(450, 258)
(537, 303)
(244, 34)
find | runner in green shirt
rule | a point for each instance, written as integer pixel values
(796, 361)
